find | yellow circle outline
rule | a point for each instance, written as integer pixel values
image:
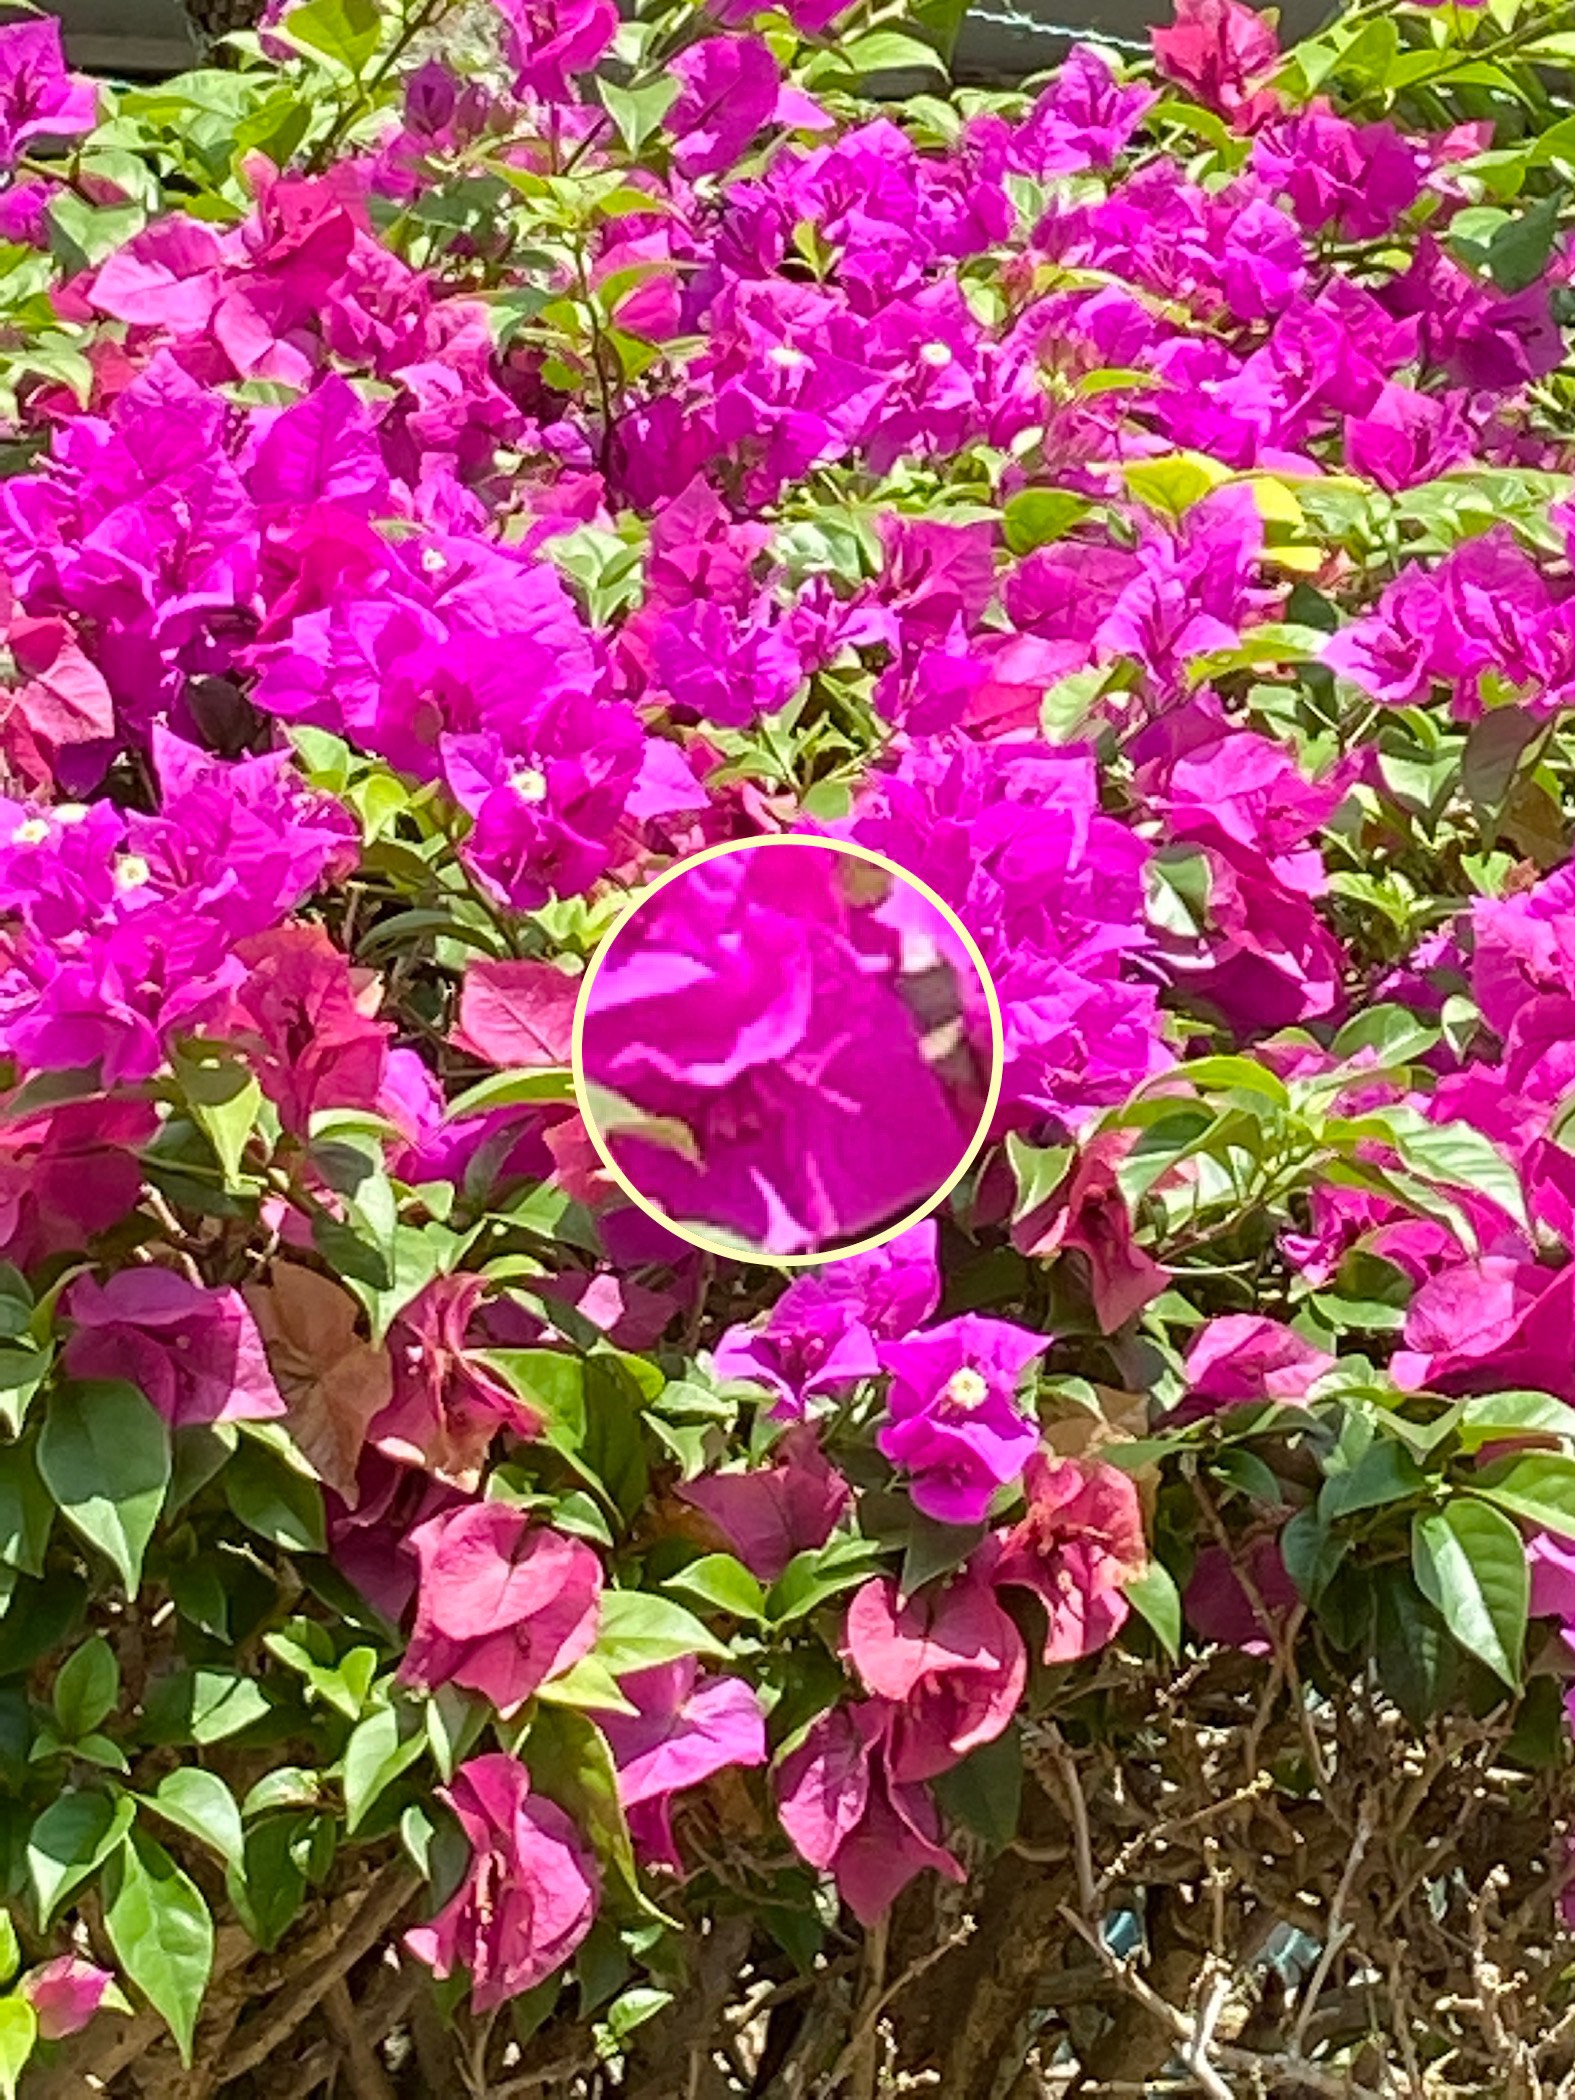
(722, 1248)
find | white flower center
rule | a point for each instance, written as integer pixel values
(31, 832)
(433, 560)
(966, 1389)
(131, 872)
(69, 812)
(787, 357)
(530, 784)
(936, 354)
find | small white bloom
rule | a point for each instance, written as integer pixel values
(966, 1389)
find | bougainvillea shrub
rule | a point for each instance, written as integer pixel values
(456, 1637)
(786, 1047)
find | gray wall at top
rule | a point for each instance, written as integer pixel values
(1000, 41)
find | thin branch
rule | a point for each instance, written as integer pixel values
(1077, 1815)
(1337, 1932)
(385, 1898)
(870, 2019)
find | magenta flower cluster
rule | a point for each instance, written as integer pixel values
(792, 1038)
(1155, 540)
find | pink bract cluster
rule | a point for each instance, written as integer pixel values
(1139, 511)
(795, 1046)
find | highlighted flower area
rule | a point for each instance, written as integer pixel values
(787, 1046)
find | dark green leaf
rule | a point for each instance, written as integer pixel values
(1494, 749)
(86, 1688)
(1413, 1654)
(985, 1791)
(203, 1706)
(266, 1882)
(105, 1457)
(271, 1498)
(932, 1548)
(69, 1841)
(27, 1510)
(1518, 253)
(1385, 1473)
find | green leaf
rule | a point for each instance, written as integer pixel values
(887, 51)
(639, 1630)
(69, 1841)
(1470, 1563)
(510, 1090)
(589, 1684)
(723, 1583)
(934, 1548)
(1249, 1475)
(382, 1746)
(18, 2033)
(224, 1099)
(1396, 1033)
(105, 1457)
(200, 1803)
(346, 31)
(1454, 1155)
(1413, 1654)
(638, 111)
(1518, 253)
(815, 1576)
(10, 1947)
(1385, 1473)
(1490, 1416)
(1035, 517)
(86, 1688)
(1172, 484)
(161, 1932)
(1539, 1487)
(1154, 1597)
(985, 1791)
(591, 1416)
(203, 1706)
(266, 1883)
(271, 1498)
(571, 1763)
(27, 1511)
(1040, 1170)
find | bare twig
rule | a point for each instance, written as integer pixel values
(1336, 1932)
(385, 1897)
(870, 2017)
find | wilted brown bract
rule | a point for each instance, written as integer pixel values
(333, 1379)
